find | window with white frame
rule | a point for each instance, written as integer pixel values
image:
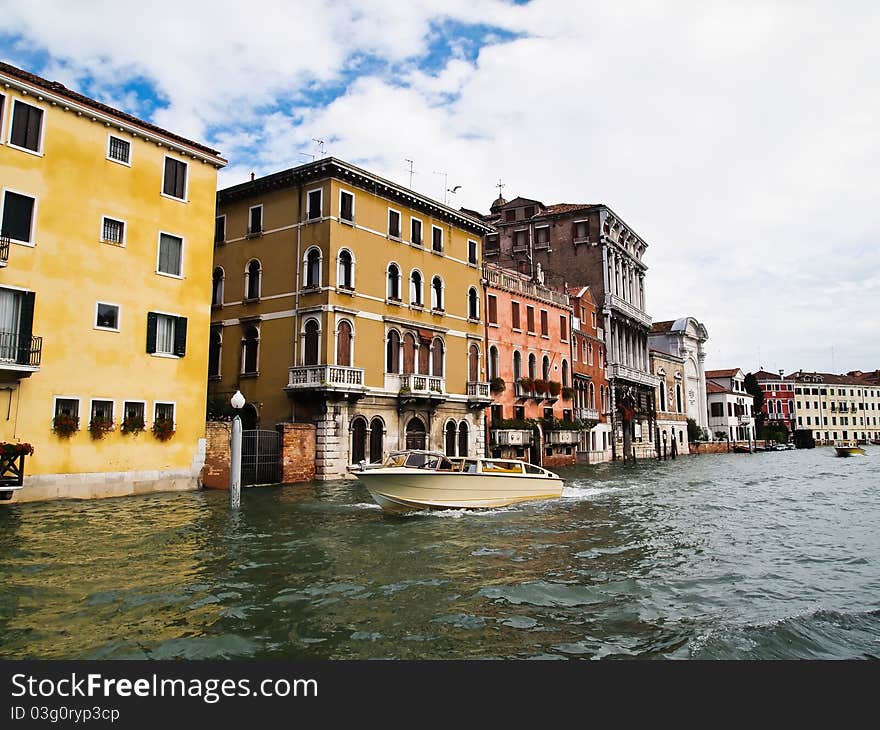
(313, 208)
(415, 288)
(166, 334)
(66, 408)
(436, 239)
(393, 223)
(346, 206)
(255, 221)
(472, 252)
(170, 259)
(119, 150)
(473, 304)
(26, 130)
(101, 412)
(437, 293)
(415, 232)
(174, 179)
(113, 231)
(220, 229)
(18, 217)
(107, 316)
(164, 412)
(133, 415)
(345, 271)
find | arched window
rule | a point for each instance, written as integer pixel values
(545, 368)
(436, 293)
(344, 342)
(358, 439)
(217, 290)
(250, 419)
(449, 441)
(345, 270)
(463, 446)
(250, 350)
(415, 288)
(592, 396)
(473, 363)
(437, 357)
(473, 304)
(393, 282)
(678, 400)
(253, 276)
(313, 267)
(377, 438)
(409, 353)
(662, 375)
(533, 366)
(311, 333)
(214, 350)
(517, 366)
(392, 352)
(415, 434)
(424, 356)
(565, 382)
(493, 362)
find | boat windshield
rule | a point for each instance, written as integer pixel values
(436, 463)
(502, 467)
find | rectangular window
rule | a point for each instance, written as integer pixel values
(530, 319)
(166, 334)
(542, 237)
(594, 319)
(67, 408)
(510, 215)
(472, 252)
(492, 242)
(220, 229)
(548, 414)
(133, 415)
(590, 355)
(103, 410)
(107, 316)
(580, 231)
(164, 412)
(436, 239)
(563, 328)
(717, 410)
(519, 413)
(313, 209)
(346, 206)
(27, 126)
(545, 324)
(119, 150)
(492, 306)
(520, 240)
(514, 315)
(174, 183)
(18, 217)
(170, 255)
(255, 221)
(393, 223)
(415, 232)
(113, 231)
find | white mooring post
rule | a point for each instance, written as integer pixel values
(235, 459)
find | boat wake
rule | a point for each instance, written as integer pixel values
(574, 493)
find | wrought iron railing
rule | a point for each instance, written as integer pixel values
(4, 250)
(20, 350)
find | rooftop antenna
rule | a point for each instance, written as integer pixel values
(307, 154)
(406, 159)
(320, 146)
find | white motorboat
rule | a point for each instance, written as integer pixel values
(414, 480)
(848, 448)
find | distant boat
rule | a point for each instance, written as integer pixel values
(848, 448)
(740, 449)
(418, 480)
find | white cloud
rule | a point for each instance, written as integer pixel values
(738, 139)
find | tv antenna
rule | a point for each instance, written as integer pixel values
(445, 183)
(320, 146)
(308, 154)
(406, 159)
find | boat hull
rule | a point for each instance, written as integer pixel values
(849, 451)
(405, 490)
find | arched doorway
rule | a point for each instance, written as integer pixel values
(358, 439)
(450, 438)
(415, 434)
(462, 439)
(249, 417)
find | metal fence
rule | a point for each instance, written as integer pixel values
(260, 457)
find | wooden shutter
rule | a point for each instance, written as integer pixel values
(25, 328)
(34, 121)
(180, 337)
(152, 321)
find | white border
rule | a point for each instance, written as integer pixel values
(442, 246)
(5, 98)
(32, 242)
(420, 244)
(120, 244)
(112, 410)
(39, 151)
(78, 400)
(110, 136)
(353, 211)
(399, 236)
(167, 355)
(185, 198)
(171, 403)
(249, 232)
(339, 284)
(216, 218)
(159, 249)
(133, 400)
(118, 317)
(320, 215)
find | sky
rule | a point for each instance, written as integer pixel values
(739, 140)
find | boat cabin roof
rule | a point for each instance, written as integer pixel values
(438, 461)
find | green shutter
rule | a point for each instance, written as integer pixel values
(26, 328)
(180, 337)
(152, 320)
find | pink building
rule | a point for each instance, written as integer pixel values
(778, 398)
(528, 352)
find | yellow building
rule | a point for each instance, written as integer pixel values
(348, 301)
(104, 293)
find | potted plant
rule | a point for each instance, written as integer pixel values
(10, 449)
(566, 393)
(527, 384)
(540, 385)
(497, 385)
(99, 425)
(64, 425)
(554, 386)
(132, 424)
(163, 428)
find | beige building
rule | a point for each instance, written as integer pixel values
(670, 402)
(348, 301)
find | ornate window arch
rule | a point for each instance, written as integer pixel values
(449, 437)
(311, 341)
(312, 262)
(253, 279)
(377, 439)
(393, 282)
(218, 285)
(545, 368)
(250, 349)
(416, 288)
(345, 269)
(437, 287)
(473, 303)
(344, 343)
(533, 366)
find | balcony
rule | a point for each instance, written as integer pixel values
(478, 395)
(520, 284)
(20, 354)
(4, 251)
(416, 388)
(587, 414)
(327, 378)
(628, 310)
(511, 437)
(622, 372)
(565, 437)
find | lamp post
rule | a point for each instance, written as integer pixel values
(237, 402)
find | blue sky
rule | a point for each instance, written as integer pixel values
(739, 142)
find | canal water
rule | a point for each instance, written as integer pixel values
(728, 556)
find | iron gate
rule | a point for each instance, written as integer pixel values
(260, 457)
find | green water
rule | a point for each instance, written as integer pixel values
(771, 555)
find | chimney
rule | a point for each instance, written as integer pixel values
(252, 177)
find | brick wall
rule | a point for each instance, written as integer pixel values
(298, 445)
(215, 474)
